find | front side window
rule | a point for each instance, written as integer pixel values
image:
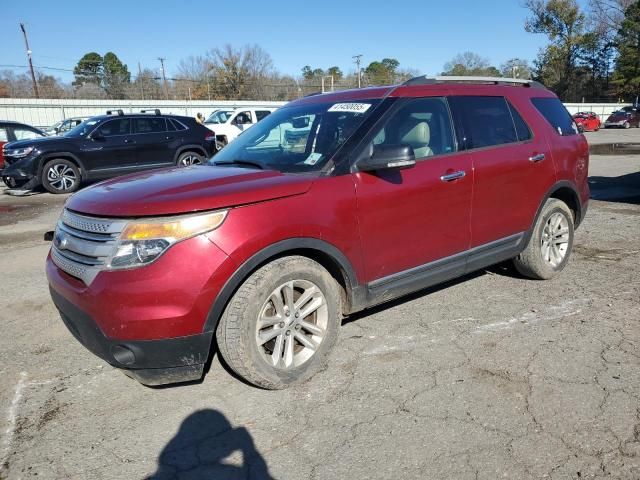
(24, 134)
(486, 121)
(423, 123)
(115, 127)
(557, 115)
(243, 118)
(300, 138)
(150, 125)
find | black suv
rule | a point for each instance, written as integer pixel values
(106, 146)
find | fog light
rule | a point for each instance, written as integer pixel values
(123, 355)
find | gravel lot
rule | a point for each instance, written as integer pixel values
(492, 376)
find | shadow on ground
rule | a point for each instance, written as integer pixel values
(622, 189)
(207, 447)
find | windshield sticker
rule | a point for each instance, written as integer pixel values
(313, 159)
(350, 107)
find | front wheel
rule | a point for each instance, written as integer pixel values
(627, 125)
(550, 244)
(281, 324)
(60, 176)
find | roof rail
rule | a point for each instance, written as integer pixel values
(155, 111)
(424, 80)
(115, 112)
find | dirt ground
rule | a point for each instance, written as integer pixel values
(492, 376)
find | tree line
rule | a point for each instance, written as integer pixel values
(592, 54)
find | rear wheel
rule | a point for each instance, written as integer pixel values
(627, 125)
(281, 324)
(550, 244)
(187, 159)
(60, 176)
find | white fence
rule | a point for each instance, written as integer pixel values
(42, 113)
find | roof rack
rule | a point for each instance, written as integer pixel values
(155, 111)
(424, 80)
(115, 112)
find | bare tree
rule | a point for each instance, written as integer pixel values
(607, 15)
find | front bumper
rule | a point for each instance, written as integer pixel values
(151, 362)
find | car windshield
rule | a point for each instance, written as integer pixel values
(219, 116)
(298, 138)
(82, 128)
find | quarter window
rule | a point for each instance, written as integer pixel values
(422, 123)
(522, 129)
(556, 114)
(487, 121)
(150, 125)
(115, 127)
(3, 135)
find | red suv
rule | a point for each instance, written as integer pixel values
(385, 191)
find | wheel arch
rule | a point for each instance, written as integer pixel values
(64, 156)
(327, 255)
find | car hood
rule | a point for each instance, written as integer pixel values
(34, 142)
(182, 190)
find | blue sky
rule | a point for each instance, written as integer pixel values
(420, 34)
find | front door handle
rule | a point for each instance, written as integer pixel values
(537, 158)
(450, 177)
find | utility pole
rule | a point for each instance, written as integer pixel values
(356, 59)
(33, 75)
(141, 81)
(164, 77)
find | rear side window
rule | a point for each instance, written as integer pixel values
(522, 129)
(558, 117)
(150, 125)
(260, 114)
(3, 135)
(487, 121)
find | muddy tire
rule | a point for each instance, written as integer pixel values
(550, 244)
(281, 324)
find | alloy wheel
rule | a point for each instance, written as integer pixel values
(61, 177)
(188, 160)
(555, 239)
(292, 324)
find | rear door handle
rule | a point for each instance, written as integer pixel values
(127, 140)
(450, 177)
(537, 158)
(169, 137)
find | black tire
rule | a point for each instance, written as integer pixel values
(60, 176)
(237, 333)
(186, 159)
(533, 262)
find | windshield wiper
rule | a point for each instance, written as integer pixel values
(240, 162)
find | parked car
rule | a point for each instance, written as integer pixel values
(13, 131)
(587, 121)
(228, 124)
(106, 146)
(626, 117)
(63, 126)
(264, 251)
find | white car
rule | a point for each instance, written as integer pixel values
(63, 126)
(229, 123)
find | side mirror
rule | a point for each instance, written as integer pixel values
(385, 157)
(300, 122)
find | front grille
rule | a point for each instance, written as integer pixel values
(82, 244)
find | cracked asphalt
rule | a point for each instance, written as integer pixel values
(492, 376)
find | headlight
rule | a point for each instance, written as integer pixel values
(18, 152)
(142, 242)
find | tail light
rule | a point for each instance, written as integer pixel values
(210, 136)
